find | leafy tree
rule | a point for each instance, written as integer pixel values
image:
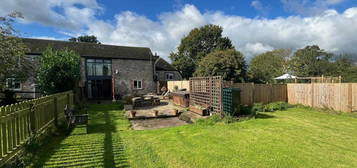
(311, 61)
(13, 62)
(196, 45)
(345, 67)
(59, 70)
(265, 67)
(229, 64)
(85, 39)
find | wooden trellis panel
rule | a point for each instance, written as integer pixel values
(206, 92)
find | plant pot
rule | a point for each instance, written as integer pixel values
(175, 112)
(156, 113)
(133, 114)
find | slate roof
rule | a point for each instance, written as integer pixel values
(37, 46)
(163, 65)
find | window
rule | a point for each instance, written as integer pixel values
(99, 67)
(13, 84)
(169, 76)
(138, 84)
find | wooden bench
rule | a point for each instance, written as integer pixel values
(74, 119)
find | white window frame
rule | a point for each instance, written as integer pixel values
(13, 80)
(137, 83)
(168, 74)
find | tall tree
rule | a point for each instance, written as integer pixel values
(196, 45)
(229, 64)
(345, 67)
(85, 39)
(311, 61)
(265, 67)
(13, 62)
(59, 70)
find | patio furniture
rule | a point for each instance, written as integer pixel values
(137, 101)
(74, 119)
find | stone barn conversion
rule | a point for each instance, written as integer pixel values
(106, 70)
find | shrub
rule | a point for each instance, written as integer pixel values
(212, 120)
(248, 110)
(229, 119)
(258, 107)
(215, 118)
(271, 107)
(9, 98)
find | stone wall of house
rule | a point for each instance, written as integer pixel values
(130, 70)
(161, 75)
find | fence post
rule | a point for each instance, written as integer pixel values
(2, 136)
(55, 112)
(350, 108)
(253, 93)
(68, 99)
(32, 118)
(312, 94)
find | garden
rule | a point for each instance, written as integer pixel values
(296, 137)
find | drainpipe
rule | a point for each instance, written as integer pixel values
(113, 88)
(156, 61)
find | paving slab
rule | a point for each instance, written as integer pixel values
(156, 123)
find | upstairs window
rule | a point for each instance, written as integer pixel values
(13, 84)
(99, 67)
(169, 76)
(138, 84)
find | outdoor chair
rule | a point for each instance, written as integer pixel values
(74, 119)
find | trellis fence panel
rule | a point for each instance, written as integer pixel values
(206, 92)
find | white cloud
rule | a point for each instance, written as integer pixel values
(258, 5)
(309, 7)
(64, 14)
(331, 30)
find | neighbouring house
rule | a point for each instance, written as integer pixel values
(106, 70)
(164, 72)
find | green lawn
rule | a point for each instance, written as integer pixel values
(299, 137)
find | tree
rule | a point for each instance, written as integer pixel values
(311, 61)
(85, 39)
(13, 62)
(345, 67)
(229, 64)
(265, 67)
(196, 45)
(59, 70)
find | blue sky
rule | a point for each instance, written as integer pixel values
(254, 26)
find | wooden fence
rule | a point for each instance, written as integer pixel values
(185, 84)
(336, 96)
(19, 121)
(260, 93)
